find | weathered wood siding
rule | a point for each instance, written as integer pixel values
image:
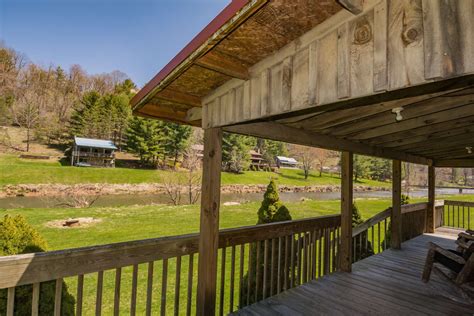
(389, 46)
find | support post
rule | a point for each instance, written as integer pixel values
(430, 212)
(396, 216)
(209, 231)
(346, 211)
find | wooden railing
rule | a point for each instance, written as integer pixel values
(373, 236)
(134, 277)
(458, 214)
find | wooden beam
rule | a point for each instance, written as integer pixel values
(224, 64)
(430, 212)
(455, 163)
(353, 6)
(293, 135)
(179, 97)
(209, 230)
(194, 114)
(396, 218)
(347, 161)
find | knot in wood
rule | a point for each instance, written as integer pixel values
(410, 35)
(212, 153)
(362, 32)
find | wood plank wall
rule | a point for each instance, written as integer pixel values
(389, 46)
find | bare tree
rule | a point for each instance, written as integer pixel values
(192, 162)
(322, 156)
(173, 184)
(306, 156)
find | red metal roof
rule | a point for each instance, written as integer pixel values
(223, 17)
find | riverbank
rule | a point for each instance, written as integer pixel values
(57, 190)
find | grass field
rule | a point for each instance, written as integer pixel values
(140, 222)
(14, 170)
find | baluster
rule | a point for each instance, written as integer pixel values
(320, 252)
(292, 261)
(190, 284)
(463, 214)
(334, 249)
(118, 278)
(79, 295)
(164, 285)
(373, 233)
(133, 300)
(149, 288)
(313, 255)
(177, 286)
(280, 245)
(232, 275)
(241, 275)
(272, 267)
(469, 217)
(11, 301)
(286, 270)
(265, 266)
(459, 222)
(378, 242)
(354, 250)
(384, 234)
(250, 269)
(57, 297)
(35, 300)
(326, 251)
(298, 260)
(258, 271)
(222, 287)
(98, 300)
(453, 211)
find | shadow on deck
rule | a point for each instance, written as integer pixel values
(387, 283)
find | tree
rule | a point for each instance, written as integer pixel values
(270, 149)
(18, 237)
(322, 156)
(363, 247)
(145, 138)
(235, 152)
(176, 139)
(306, 156)
(271, 210)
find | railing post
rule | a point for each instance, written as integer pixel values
(396, 218)
(209, 230)
(346, 211)
(430, 212)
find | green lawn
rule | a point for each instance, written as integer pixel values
(22, 171)
(140, 222)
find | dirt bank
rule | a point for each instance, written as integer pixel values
(45, 190)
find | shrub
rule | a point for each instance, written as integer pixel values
(272, 210)
(18, 237)
(363, 247)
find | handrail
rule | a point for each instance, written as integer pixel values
(40, 267)
(377, 218)
(459, 203)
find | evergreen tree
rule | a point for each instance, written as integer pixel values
(235, 152)
(271, 210)
(176, 140)
(146, 139)
(270, 149)
(363, 247)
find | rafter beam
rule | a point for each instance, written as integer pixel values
(224, 64)
(353, 6)
(288, 134)
(179, 97)
(455, 163)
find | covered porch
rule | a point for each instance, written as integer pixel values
(385, 283)
(391, 79)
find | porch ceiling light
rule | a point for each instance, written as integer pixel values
(398, 111)
(469, 150)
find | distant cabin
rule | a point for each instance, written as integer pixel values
(88, 152)
(286, 162)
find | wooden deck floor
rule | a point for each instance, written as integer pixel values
(388, 283)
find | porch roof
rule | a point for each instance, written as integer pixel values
(244, 33)
(315, 74)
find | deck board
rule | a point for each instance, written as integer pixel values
(388, 283)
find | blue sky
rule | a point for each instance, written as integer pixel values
(137, 37)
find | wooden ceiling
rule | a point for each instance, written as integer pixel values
(437, 126)
(274, 25)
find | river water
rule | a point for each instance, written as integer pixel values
(148, 199)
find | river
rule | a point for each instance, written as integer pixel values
(148, 199)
